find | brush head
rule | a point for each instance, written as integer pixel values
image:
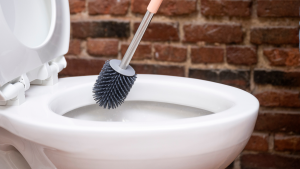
(111, 87)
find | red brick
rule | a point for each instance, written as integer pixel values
(82, 67)
(287, 78)
(139, 6)
(269, 161)
(284, 142)
(258, 142)
(278, 8)
(213, 33)
(168, 7)
(170, 53)
(160, 31)
(74, 47)
(76, 6)
(178, 7)
(209, 75)
(103, 47)
(170, 70)
(114, 7)
(283, 56)
(278, 121)
(241, 55)
(275, 35)
(159, 69)
(277, 98)
(143, 51)
(143, 69)
(102, 28)
(207, 54)
(226, 7)
(236, 78)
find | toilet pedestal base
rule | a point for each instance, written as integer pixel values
(12, 148)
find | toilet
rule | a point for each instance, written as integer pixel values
(50, 123)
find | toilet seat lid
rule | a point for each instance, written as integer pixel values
(33, 33)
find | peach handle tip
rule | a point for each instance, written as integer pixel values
(154, 6)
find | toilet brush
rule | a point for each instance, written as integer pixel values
(117, 77)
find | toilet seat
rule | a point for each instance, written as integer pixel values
(39, 118)
(34, 37)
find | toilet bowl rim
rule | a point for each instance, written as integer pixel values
(80, 125)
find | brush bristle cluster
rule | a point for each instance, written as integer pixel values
(111, 87)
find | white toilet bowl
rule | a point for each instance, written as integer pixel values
(176, 137)
(165, 122)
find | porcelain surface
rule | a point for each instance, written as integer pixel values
(49, 140)
(33, 32)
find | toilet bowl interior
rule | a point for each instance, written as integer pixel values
(137, 111)
(30, 20)
(147, 102)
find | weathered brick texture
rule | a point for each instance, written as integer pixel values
(278, 98)
(114, 7)
(241, 55)
(160, 31)
(102, 47)
(114, 28)
(143, 51)
(277, 78)
(274, 35)
(238, 78)
(139, 6)
(87, 66)
(283, 142)
(168, 7)
(77, 6)
(170, 53)
(208, 54)
(278, 8)
(144, 68)
(74, 47)
(226, 7)
(213, 33)
(169, 70)
(283, 56)
(258, 142)
(265, 160)
(159, 69)
(278, 121)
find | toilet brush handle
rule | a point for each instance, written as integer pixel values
(151, 10)
(136, 40)
(154, 6)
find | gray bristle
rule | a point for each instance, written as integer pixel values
(111, 87)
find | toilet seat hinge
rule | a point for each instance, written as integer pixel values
(47, 74)
(13, 93)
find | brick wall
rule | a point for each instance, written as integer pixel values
(249, 44)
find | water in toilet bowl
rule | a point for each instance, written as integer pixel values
(137, 111)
